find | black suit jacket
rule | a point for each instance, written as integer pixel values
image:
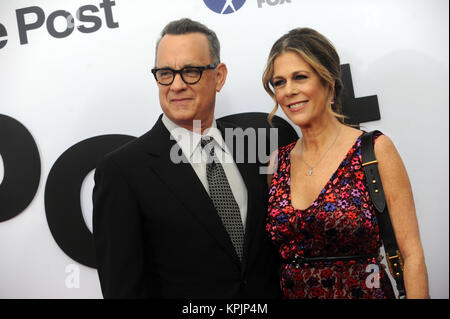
(158, 235)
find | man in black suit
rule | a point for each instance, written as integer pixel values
(159, 230)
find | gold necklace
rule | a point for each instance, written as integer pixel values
(310, 172)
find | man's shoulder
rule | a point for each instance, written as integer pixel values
(229, 123)
(136, 150)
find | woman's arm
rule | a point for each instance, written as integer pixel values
(400, 201)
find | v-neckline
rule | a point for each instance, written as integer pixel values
(326, 184)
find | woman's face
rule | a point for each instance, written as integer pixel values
(299, 89)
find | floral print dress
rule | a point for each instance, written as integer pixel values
(340, 223)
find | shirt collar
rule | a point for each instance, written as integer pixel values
(189, 140)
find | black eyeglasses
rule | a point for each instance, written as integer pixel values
(189, 74)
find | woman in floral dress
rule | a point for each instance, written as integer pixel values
(320, 214)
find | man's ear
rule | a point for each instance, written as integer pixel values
(221, 76)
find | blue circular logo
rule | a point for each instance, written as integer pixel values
(224, 6)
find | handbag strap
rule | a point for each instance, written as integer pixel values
(370, 166)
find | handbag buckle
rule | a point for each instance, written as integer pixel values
(369, 163)
(395, 263)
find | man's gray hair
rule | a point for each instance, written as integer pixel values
(185, 26)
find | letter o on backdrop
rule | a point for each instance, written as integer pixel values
(62, 195)
(22, 168)
(69, 24)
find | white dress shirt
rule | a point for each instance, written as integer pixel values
(189, 143)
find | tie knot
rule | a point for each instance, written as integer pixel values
(207, 145)
(206, 140)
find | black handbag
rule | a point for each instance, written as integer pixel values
(394, 258)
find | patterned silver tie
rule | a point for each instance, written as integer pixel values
(222, 197)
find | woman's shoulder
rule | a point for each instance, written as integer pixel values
(287, 148)
(279, 155)
(375, 137)
(282, 151)
(380, 139)
(383, 145)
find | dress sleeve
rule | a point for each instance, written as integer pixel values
(376, 135)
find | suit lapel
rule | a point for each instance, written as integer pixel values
(182, 180)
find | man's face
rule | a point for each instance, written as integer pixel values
(181, 102)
